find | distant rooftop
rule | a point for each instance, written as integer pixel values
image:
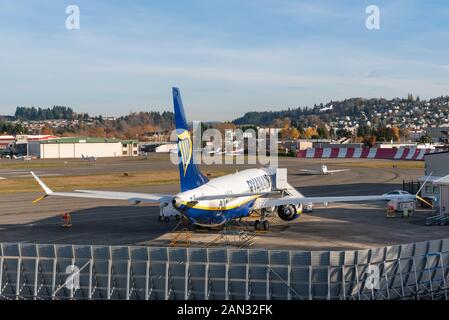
(444, 180)
(87, 140)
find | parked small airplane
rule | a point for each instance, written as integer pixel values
(211, 203)
(88, 158)
(323, 170)
(24, 158)
(219, 151)
(211, 151)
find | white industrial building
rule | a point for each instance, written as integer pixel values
(439, 134)
(61, 148)
(437, 186)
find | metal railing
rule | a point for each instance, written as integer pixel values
(34, 271)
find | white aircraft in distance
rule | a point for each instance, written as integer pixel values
(211, 203)
(211, 151)
(89, 158)
(219, 151)
(24, 158)
(323, 170)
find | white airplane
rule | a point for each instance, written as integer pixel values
(236, 152)
(89, 158)
(219, 151)
(323, 170)
(212, 151)
(24, 158)
(211, 203)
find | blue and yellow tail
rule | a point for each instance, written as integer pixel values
(190, 175)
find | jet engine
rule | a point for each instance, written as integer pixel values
(288, 212)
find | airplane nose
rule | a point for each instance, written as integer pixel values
(176, 202)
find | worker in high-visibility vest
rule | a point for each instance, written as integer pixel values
(66, 220)
(390, 211)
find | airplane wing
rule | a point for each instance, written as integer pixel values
(129, 196)
(310, 171)
(273, 202)
(110, 195)
(235, 195)
(337, 170)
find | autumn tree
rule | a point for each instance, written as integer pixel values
(323, 132)
(372, 140)
(404, 134)
(222, 127)
(294, 134)
(395, 133)
(310, 132)
(47, 131)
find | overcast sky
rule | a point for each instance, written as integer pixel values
(228, 57)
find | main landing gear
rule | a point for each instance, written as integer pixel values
(261, 225)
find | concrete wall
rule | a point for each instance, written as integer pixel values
(34, 149)
(303, 145)
(439, 134)
(438, 164)
(130, 149)
(444, 199)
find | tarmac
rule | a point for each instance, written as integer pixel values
(105, 222)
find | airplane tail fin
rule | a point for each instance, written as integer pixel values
(189, 172)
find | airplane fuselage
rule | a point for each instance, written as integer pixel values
(218, 211)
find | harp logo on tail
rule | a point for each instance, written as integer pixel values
(185, 148)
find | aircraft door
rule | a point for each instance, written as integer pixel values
(221, 207)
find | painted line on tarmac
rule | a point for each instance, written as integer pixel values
(34, 224)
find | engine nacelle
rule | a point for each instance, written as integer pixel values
(287, 212)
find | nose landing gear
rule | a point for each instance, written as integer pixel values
(166, 212)
(263, 223)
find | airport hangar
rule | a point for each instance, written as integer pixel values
(78, 146)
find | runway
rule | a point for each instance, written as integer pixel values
(338, 227)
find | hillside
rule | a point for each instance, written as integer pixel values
(407, 112)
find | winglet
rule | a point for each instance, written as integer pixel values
(419, 190)
(47, 190)
(425, 181)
